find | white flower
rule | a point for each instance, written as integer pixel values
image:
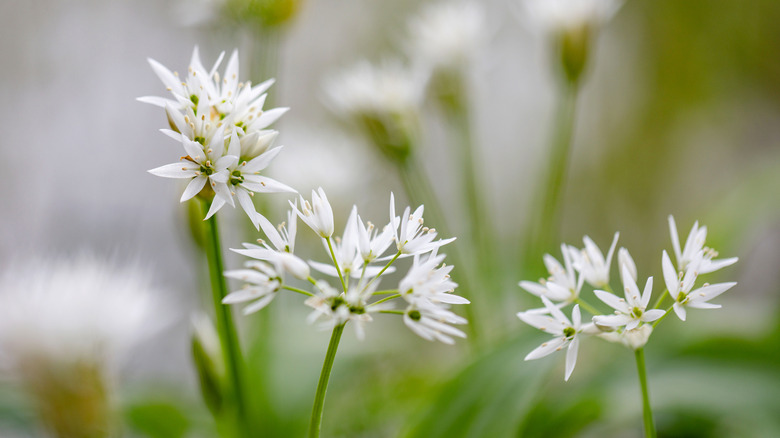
(372, 243)
(562, 286)
(263, 283)
(625, 259)
(632, 310)
(428, 280)
(318, 214)
(633, 339)
(283, 261)
(243, 180)
(76, 310)
(413, 237)
(566, 332)
(201, 165)
(591, 263)
(680, 289)
(566, 15)
(338, 308)
(384, 91)
(430, 322)
(204, 104)
(447, 34)
(693, 245)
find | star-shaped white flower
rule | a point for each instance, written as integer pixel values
(429, 280)
(372, 243)
(680, 290)
(565, 332)
(632, 310)
(694, 244)
(430, 322)
(318, 214)
(591, 263)
(563, 286)
(263, 283)
(284, 262)
(412, 237)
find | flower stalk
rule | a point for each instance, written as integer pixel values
(647, 411)
(231, 349)
(319, 398)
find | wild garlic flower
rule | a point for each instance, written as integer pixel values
(263, 282)
(631, 311)
(625, 260)
(318, 214)
(222, 126)
(66, 325)
(447, 35)
(694, 244)
(563, 285)
(571, 25)
(679, 286)
(565, 332)
(358, 259)
(634, 339)
(412, 237)
(383, 101)
(590, 262)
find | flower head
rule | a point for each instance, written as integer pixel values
(590, 261)
(565, 332)
(680, 285)
(262, 284)
(318, 214)
(632, 310)
(563, 285)
(412, 237)
(430, 322)
(694, 245)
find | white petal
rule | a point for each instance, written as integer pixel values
(259, 304)
(193, 188)
(546, 348)
(612, 301)
(185, 169)
(679, 309)
(571, 357)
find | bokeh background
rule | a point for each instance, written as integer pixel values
(679, 115)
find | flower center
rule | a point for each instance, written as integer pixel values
(236, 177)
(636, 312)
(415, 315)
(569, 332)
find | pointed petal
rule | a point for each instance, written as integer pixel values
(546, 349)
(571, 357)
(193, 188)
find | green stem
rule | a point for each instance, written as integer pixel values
(398, 254)
(657, 321)
(584, 304)
(391, 297)
(300, 291)
(545, 228)
(319, 398)
(336, 264)
(383, 292)
(393, 312)
(647, 412)
(231, 349)
(660, 299)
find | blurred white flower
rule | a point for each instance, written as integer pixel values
(413, 237)
(563, 285)
(632, 310)
(590, 261)
(447, 35)
(565, 332)
(563, 15)
(263, 283)
(77, 309)
(318, 214)
(283, 261)
(694, 244)
(430, 322)
(625, 259)
(680, 289)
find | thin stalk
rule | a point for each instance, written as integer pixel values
(398, 254)
(384, 292)
(546, 226)
(657, 321)
(231, 349)
(660, 299)
(393, 312)
(336, 264)
(419, 191)
(584, 304)
(300, 291)
(391, 297)
(319, 398)
(647, 411)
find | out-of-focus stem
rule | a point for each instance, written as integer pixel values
(546, 226)
(231, 349)
(319, 398)
(647, 411)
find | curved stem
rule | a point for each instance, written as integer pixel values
(647, 412)
(300, 291)
(545, 227)
(398, 254)
(391, 297)
(660, 299)
(336, 264)
(657, 321)
(231, 349)
(319, 398)
(584, 304)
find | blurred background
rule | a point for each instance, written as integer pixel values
(679, 115)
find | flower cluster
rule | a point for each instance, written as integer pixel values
(221, 124)
(633, 318)
(358, 258)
